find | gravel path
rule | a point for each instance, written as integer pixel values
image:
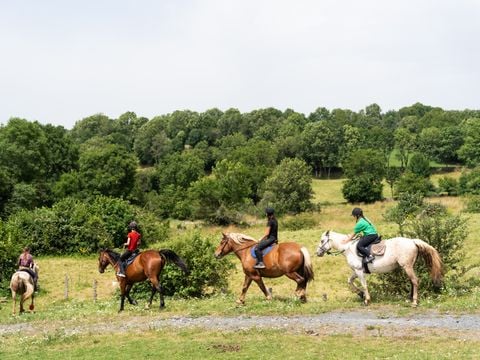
(357, 323)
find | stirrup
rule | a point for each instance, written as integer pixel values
(121, 274)
(260, 265)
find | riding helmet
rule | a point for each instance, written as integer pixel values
(132, 226)
(357, 212)
(269, 211)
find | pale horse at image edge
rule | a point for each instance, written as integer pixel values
(399, 252)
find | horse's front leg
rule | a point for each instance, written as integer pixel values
(363, 281)
(354, 288)
(122, 295)
(262, 287)
(131, 300)
(246, 285)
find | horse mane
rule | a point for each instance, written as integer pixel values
(113, 254)
(240, 238)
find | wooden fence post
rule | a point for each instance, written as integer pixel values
(66, 287)
(95, 290)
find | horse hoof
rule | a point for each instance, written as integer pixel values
(303, 299)
(414, 305)
(240, 302)
(268, 298)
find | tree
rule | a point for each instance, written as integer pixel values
(365, 170)
(107, 169)
(321, 146)
(470, 150)
(289, 187)
(419, 165)
(405, 143)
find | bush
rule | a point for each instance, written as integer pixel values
(73, 226)
(207, 274)
(469, 182)
(473, 204)
(362, 189)
(445, 233)
(9, 252)
(299, 222)
(413, 183)
(448, 185)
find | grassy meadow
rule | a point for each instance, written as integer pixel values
(328, 292)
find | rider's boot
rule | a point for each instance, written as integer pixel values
(121, 270)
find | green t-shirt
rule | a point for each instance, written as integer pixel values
(365, 227)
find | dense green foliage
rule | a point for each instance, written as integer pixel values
(433, 224)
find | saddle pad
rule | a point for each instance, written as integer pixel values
(378, 249)
(264, 251)
(132, 257)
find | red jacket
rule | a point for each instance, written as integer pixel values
(134, 240)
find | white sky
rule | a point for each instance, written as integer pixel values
(61, 61)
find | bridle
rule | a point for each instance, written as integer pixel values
(105, 260)
(329, 250)
(225, 242)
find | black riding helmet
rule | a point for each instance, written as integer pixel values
(269, 211)
(357, 212)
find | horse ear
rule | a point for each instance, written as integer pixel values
(327, 233)
(224, 235)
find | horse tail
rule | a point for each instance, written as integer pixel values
(171, 256)
(307, 265)
(432, 259)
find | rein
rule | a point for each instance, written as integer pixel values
(245, 247)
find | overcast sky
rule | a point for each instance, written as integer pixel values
(61, 61)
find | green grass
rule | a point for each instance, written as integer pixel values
(258, 344)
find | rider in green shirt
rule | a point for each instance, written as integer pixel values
(369, 234)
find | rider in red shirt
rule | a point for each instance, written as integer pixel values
(133, 241)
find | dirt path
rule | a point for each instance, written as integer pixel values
(356, 323)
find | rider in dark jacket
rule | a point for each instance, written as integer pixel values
(270, 237)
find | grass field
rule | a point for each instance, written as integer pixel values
(327, 292)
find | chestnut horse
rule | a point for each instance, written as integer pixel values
(289, 259)
(147, 265)
(399, 251)
(22, 283)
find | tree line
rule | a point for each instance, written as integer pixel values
(216, 165)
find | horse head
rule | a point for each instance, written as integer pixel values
(224, 247)
(325, 244)
(103, 261)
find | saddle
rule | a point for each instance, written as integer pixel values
(29, 271)
(132, 257)
(264, 251)
(376, 248)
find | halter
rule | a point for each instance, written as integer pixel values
(328, 251)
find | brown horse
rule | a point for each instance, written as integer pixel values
(22, 283)
(148, 265)
(289, 259)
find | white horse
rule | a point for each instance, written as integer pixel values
(22, 283)
(399, 251)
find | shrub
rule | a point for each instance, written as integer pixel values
(73, 226)
(299, 222)
(413, 183)
(363, 188)
(445, 233)
(473, 204)
(448, 185)
(469, 182)
(9, 252)
(419, 165)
